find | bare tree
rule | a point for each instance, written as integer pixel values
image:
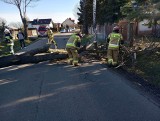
(22, 7)
(16, 24)
(75, 10)
(2, 27)
(2, 21)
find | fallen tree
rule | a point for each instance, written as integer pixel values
(42, 54)
(33, 56)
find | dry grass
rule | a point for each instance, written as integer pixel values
(148, 60)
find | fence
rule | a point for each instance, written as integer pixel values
(102, 32)
(129, 30)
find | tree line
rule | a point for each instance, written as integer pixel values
(111, 11)
(107, 11)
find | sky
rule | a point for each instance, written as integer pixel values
(57, 10)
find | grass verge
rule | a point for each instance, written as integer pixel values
(148, 66)
(4, 48)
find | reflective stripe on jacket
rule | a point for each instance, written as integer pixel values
(73, 40)
(114, 40)
(7, 37)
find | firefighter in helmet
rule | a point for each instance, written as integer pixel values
(51, 37)
(114, 40)
(72, 47)
(9, 40)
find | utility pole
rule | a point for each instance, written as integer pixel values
(85, 23)
(94, 19)
(94, 27)
(130, 24)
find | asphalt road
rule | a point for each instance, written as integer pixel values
(50, 91)
(60, 38)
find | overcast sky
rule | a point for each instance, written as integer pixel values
(58, 10)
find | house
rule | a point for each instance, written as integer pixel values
(40, 22)
(69, 24)
(143, 28)
(14, 31)
(137, 28)
(40, 25)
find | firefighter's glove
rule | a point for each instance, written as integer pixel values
(122, 42)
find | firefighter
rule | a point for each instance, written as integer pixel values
(72, 48)
(114, 40)
(51, 37)
(9, 40)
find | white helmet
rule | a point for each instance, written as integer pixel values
(47, 27)
(6, 31)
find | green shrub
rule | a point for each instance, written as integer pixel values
(87, 39)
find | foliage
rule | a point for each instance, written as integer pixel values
(86, 8)
(147, 64)
(108, 11)
(140, 9)
(87, 39)
(2, 27)
(16, 24)
(85, 14)
(80, 13)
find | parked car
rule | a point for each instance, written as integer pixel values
(62, 31)
(71, 29)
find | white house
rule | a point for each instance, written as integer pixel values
(39, 25)
(14, 31)
(143, 28)
(40, 22)
(69, 22)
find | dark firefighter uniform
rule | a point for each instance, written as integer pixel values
(114, 40)
(72, 47)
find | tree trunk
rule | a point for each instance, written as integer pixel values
(24, 58)
(25, 28)
(130, 34)
(85, 21)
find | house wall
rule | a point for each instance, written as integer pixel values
(69, 23)
(144, 30)
(32, 33)
(14, 33)
(142, 27)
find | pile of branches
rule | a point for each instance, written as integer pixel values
(144, 46)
